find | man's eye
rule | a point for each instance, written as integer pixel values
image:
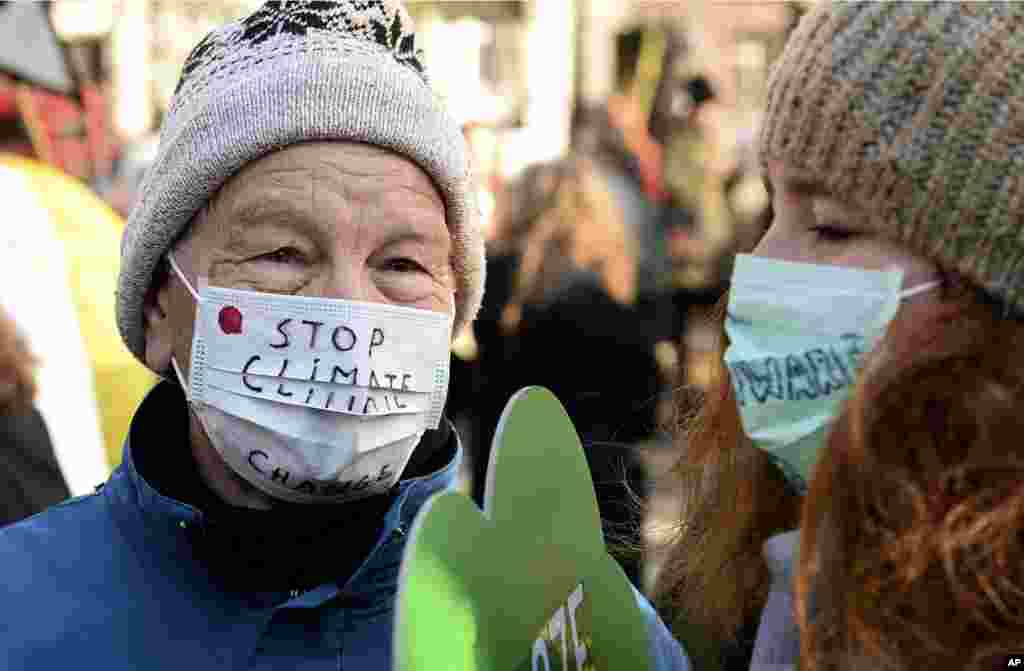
(832, 234)
(404, 265)
(286, 255)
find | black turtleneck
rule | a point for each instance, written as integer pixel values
(291, 546)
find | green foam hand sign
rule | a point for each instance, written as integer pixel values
(526, 585)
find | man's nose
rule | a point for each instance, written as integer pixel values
(346, 280)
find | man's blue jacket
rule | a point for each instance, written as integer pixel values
(110, 581)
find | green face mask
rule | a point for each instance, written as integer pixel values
(797, 334)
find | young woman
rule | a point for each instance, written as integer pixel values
(892, 146)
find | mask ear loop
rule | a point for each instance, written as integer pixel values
(174, 362)
(181, 379)
(921, 288)
(181, 276)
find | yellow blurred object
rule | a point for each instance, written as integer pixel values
(649, 68)
(91, 233)
(465, 346)
(666, 354)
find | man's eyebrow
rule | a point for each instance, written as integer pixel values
(263, 213)
(260, 209)
(409, 232)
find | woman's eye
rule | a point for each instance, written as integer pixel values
(832, 234)
(285, 255)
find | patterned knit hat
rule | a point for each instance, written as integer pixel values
(915, 111)
(296, 71)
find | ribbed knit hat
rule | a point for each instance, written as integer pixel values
(916, 111)
(297, 71)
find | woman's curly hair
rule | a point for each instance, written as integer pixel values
(913, 528)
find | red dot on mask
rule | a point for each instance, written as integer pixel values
(230, 320)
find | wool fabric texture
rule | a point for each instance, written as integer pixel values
(297, 71)
(914, 110)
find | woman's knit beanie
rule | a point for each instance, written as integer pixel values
(297, 71)
(914, 110)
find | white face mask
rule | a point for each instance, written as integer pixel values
(797, 333)
(315, 400)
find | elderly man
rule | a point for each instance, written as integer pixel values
(302, 249)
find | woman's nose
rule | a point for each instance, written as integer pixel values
(776, 244)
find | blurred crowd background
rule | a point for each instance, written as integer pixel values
(613, 148)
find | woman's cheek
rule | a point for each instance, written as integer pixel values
(861, 260)
(913, 334)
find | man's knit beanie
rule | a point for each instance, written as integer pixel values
(297, 71)
(914, 110)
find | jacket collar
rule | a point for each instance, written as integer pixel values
(163, 522)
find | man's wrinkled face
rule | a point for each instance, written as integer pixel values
(325, 219)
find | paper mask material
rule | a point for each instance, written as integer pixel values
(315, 400)
(797, 335)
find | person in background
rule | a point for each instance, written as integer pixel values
(617, 137)
(685, 129)
(693, 194)
(627, 140)
(572, 312)
(30, 479)
(519, 209)
(893, 265)
(681, 123)
(301, 239)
